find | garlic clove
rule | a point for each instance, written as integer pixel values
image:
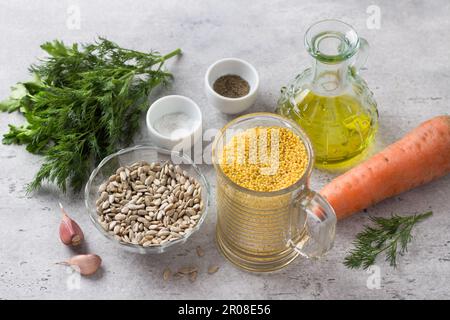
(70, 232)
(85, 264)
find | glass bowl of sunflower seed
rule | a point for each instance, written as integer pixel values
(147, 199)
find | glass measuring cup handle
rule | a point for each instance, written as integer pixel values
(362, 55)
(316, 227)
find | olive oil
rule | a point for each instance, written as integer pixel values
(330, 100)
(339, 128)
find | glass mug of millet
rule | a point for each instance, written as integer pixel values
(266, 213)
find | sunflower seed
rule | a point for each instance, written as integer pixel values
(147, 244)
(102, 187)
(161, 189)
(193, 276)
(200, 251)
(189, 190)
(166, 274)
(163, 233)
(187, 270)
(116, 229)
(160, 215)
(213, 269)
(120, 217)
(149, 204)
(157, 202)
(105, 205)
(112, 225)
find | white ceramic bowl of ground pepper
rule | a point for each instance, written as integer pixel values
(147, 199)
(231, 85)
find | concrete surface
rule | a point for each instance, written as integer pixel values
(408, 70)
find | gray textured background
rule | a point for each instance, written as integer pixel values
(408, 71)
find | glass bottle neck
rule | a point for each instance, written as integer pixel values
(330, 79)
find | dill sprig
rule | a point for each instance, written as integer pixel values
(388, 235)
(83, 103)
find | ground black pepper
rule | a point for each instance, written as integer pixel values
(231, 86)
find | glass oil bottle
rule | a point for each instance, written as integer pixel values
(330, 101)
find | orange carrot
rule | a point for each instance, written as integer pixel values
(418, 158)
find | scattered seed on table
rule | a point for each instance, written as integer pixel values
(213, 269)
(193, 276)
(187, 270)
(200, 251)
(166, 274)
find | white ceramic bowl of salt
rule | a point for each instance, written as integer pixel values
(174, 122)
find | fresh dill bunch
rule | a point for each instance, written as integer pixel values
(83, 103)
(388, 235)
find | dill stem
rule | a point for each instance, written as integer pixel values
(171, 54)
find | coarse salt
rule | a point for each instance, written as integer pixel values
(175, 125)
